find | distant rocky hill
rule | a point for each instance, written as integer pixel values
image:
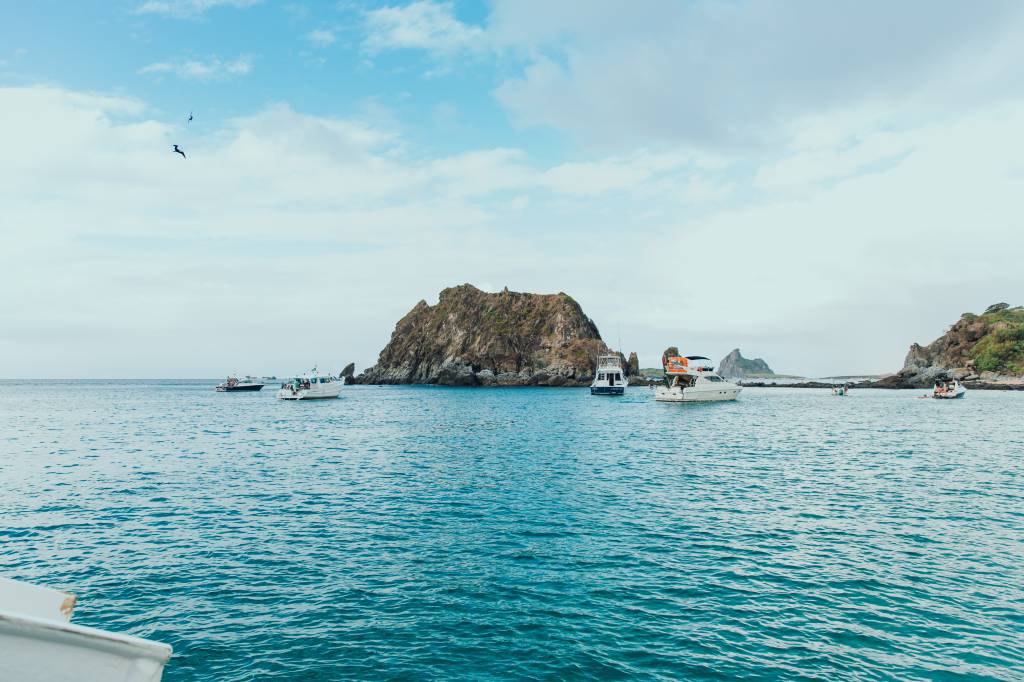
(986, 350)
(735, 366)
(473, 338)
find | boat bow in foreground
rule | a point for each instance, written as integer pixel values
(39, 644)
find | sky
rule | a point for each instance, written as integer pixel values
(818, 184)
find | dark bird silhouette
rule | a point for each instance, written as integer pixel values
(189, 117)
(178, 151)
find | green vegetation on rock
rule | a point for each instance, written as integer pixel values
(981, 347)
(1001, 348)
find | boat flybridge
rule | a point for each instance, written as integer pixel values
(39, 643)
(310, 386)
(693, 379)
(610, 378)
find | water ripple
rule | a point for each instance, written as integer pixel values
(526, 534)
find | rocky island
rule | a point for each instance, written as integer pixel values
(982, 351)
(475, 338)
(735, 366)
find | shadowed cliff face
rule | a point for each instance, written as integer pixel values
(505, 339)
(735, 366)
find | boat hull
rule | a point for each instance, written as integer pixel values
(241, 387)
(41, 650)
(329, 391)
(664, 394)
(607, 390)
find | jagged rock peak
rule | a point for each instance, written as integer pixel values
(735, 366)
(472, 337)
(633, 366)
(348, 374)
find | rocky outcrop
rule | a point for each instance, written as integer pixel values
(633, 365)
(348, 374)
(475, 338)
(735, 366)
(983, 351)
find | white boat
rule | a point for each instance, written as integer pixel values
(610, 378)
(39, 644)
(311, 386)
(246, 383)
(692, 379)
(841, 390)
(948, 389)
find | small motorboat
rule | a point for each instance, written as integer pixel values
(841, 390)
(246, 383)
(38, 643)
(693, 379)
(610, 378)
(948, 389)
(311, 387)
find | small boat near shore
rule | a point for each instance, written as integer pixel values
(246, 383)
(841, 390)
(693, 379)
(312, 386)
(38, 643)
(948, 389)
(610, 377)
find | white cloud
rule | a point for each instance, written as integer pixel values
(734, 75)
(196, 69)
(321, 37)
(281, 218)
(183, 9)
(422, 25)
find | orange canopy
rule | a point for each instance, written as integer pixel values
(676, 365)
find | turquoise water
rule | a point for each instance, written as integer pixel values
(419, 532)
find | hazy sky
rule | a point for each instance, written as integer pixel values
(818, 183)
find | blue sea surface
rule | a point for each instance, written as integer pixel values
(437, 533)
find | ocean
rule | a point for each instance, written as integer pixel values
(525, 533)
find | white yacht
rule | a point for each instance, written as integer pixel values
(246, 383)
(692, 379)
(310, 387)
(610, 378)
(39, 643)
(948, 389)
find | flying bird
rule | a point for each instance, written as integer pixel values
(178, 151)
(189, 117)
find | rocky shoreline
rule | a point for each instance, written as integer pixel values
(474, 338)
(881, 384)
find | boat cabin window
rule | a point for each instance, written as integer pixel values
(713, 378)
(600, 376)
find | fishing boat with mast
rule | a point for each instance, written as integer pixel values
(311, 386)
(610, 378)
